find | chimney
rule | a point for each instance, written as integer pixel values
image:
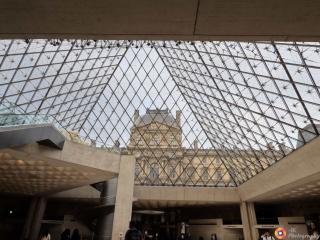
(270, 146)
(117, 144)
(93, 143)
(195, 144)
(135, 115)
(283, 148)
(178, 117)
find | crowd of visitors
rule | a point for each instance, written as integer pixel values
(65, 235)
(266, 236)
(134, 234)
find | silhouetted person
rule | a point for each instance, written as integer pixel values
(45, 235)
(133, 233)
(75, 234)
(65, 234)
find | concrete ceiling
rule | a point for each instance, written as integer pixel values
(308, 190)
(165, 19)
(154, 204)
(288, 178)
(46, 171)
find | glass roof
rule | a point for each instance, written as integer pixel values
(194, 113)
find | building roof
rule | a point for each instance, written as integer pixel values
(156, 115)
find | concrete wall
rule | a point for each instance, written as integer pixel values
(205, 227)
(186, 194)
(296, 224)
(232, 234)
(84, 192)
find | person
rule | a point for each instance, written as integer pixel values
(213, 236)
(181, 237)
(188, 235)
(75, 234)
(133, 233)
(266, 236)
(201, 238)
(45, 235)
(314, 236)
(65, 234)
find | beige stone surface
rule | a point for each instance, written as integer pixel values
(249, 221)
(245, 221)
(77, 153)
(298, 224)
(185, 195)
(298, 169)
(253, 220)
(80, 193)
(205, 227)
(124, 196)
(35, 169)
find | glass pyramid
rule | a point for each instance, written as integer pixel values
(193, 113)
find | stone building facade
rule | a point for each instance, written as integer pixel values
(156, 141)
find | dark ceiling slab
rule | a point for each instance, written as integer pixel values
(162, 19)
(45, 134)
(98, 17)
(272, 18)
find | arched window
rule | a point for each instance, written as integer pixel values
(154, 172)
(218, 174)
(139, 140)
(205, 174)
(137, 170)
(171, 139)
(157, 139)
(191, 173)
(171, 172)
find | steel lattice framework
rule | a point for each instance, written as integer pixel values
(244, 106)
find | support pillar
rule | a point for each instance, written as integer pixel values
(249, 221)
(104, 227)
(37, 218)
(124, 197)
(105, 220)
(253, 220)
(29, 218)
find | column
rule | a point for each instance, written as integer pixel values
(253, 220)
(107, 201)
(29, 218)
(37, 218)
(249, 221)
(124, 197)
(104, 227)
